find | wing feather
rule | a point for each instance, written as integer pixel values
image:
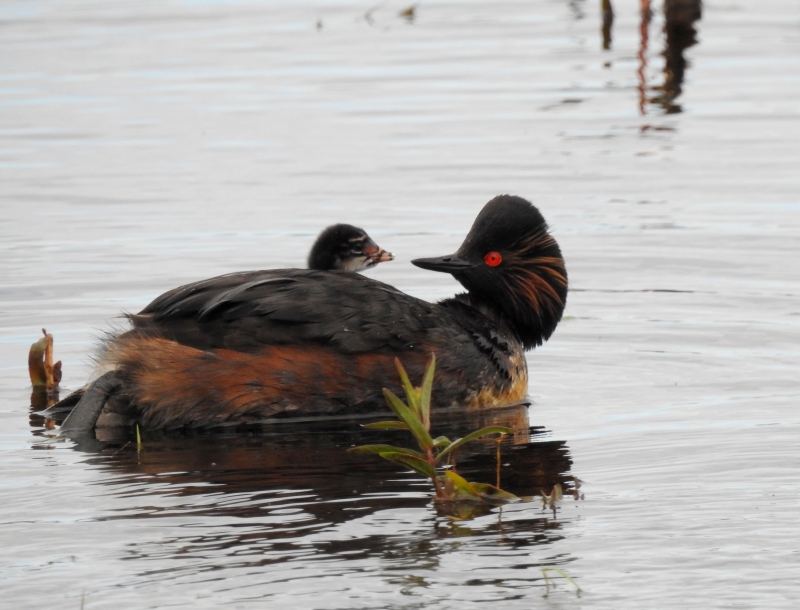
(246, 311)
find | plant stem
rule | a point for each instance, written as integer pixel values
(561, 573)
(498, 441)
(437, 485)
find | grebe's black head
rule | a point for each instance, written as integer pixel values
(510, 260)
(346, 248)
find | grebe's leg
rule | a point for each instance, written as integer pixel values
(84, 415)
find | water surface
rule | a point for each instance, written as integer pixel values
(145, 145)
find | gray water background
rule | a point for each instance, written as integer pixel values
(148, 144)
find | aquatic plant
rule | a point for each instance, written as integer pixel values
(561, 573)
(415, 417)
(44, 373)
(41, 369)
(550, 499)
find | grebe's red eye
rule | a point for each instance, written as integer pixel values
(493, 259)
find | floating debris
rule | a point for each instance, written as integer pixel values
(409, 14)
(382, 15)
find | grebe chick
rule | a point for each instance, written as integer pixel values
(346, 248)
(306, 343)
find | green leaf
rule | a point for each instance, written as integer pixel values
(561, 572)
(409, 418)
(472, 436)
(386, 425)
(415, 463)
(412, 395)
(461, 484)
(425, 393)
(441, 441)
(381, 449)
(490, 493)
(448, 485)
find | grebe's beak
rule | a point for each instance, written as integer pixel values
(377, 255)
(448, 264)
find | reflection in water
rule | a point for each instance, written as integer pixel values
(680, 34)
(43, 398)
(679, 19)
(277, 493)
(644, 33)
(608, 22)
(576, 6)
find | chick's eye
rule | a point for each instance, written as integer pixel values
(493, 259)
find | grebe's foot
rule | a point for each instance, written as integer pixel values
(82, 419)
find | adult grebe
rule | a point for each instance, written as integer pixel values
(294, 342)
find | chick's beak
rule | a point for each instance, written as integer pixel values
(452, 263)
(377, 255)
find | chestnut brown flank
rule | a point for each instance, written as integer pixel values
(171, 383)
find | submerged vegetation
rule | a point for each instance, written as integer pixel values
(415, 417)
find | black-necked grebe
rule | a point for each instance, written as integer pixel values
(291, 342)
